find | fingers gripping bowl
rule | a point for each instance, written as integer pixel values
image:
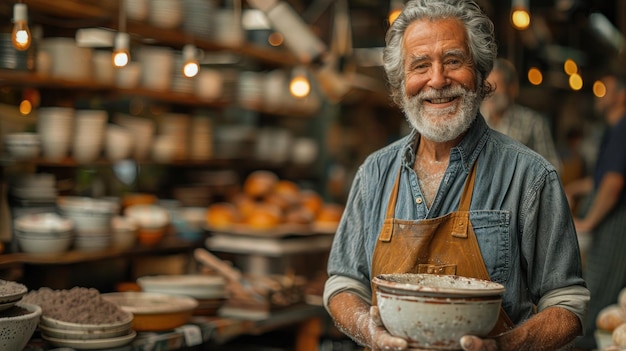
(435, 311)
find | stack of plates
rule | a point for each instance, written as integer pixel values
(12, 58)
(198, 18)
(11, 293)
(92, 220)
(209, 290)
(87, 336)
(34, 188)
(250, 89)
(180, 83)
(167, 14)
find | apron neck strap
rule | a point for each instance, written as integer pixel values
(464, 204)
(466, 196)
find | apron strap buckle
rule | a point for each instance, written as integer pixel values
(460, 225)
(387, 231)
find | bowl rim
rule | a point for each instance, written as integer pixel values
(158, 302)
(58, 223)
(59, 324)
(182, 280)
(34, 310)
(383, 283)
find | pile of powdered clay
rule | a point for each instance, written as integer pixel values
(77, 305)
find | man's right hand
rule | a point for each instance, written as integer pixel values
(381, 339)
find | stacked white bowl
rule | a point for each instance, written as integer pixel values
(92, 220)
(55, 126)
(227, 27)
(166, 14)
(68, 60)
(209, 84)
(124, 232)
(180, 83)
(137, 9)
(250, 89)
(201, 138)
(157, 67)
(23, 146)
(43, 233)
(103, 70)
(34, 187)
(175, 126)
(142, 129)
(118, 143)
(89, 132)
(198, 18)
(129, 76)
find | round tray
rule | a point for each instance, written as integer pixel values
(63, 325)
(93, 344)
(85, 334)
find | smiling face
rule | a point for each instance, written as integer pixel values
(440, 98)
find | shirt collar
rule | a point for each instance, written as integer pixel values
(466, 152)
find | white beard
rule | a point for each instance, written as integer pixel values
(441, 125)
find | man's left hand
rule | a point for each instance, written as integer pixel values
(474, 343)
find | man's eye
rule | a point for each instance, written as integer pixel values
(420, 67)
(454, 63)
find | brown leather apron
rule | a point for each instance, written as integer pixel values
(442, 245)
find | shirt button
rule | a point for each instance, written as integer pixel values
(418, 200)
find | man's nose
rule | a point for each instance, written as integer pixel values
(438, 78)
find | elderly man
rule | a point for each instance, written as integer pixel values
(438, 55)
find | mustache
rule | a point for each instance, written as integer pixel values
(447, 92)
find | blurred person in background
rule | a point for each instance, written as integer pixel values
(604, 213)
(521, 123)
(453, 171)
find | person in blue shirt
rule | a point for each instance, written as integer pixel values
(604, 214)
(500, 208)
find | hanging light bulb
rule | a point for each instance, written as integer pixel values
(20, 35)
(299, 86)
(121, 55)
(520, 15)
(191, 66)
(395, 8)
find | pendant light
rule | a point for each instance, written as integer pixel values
(20, 34)
(121, 52)
(299, 86)
(190, 65)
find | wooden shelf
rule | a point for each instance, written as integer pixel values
(105, 14)
(170, 244)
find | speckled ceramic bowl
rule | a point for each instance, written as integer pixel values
(434, 311)
(17, 325)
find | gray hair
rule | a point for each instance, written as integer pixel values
(480, 33)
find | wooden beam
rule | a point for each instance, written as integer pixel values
(73, 8)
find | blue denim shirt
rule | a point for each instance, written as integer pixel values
(519, 213)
